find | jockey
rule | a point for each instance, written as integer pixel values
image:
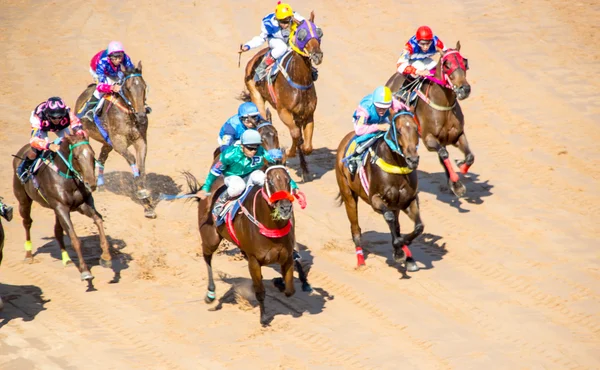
(105, 68)
(246, 118)
(276, 28)
(52, 115)
(6, 211)
(371, 116)
(415, 59)
(239, 165)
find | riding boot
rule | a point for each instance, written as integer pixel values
(89, 107)
(261, 69)
(352, 162)
(6, 211)
(23, 170)
(221, 200)
(314, 72)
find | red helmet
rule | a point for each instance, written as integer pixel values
(424, 33)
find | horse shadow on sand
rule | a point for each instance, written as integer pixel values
(320, 161)
(91, 250)
(23, 302)
(122, 183)
(436, 184)
(426, 249)
(241, 291)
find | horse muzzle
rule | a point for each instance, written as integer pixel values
(412, 162)
(285, 209)
(463, 92)
(316, 58)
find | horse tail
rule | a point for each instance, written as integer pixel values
(245, 96)
(339, 199)
(192, 183)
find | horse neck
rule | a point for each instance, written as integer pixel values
(439, 94)
(384, 152)
(299, 69)
(64, 151)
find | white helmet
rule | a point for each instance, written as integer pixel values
(251, 137)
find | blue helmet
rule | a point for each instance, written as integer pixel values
(248, 109)
(251, 137)
(382, 97)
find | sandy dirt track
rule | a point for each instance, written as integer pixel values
(510, 274)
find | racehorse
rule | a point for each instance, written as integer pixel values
(123, 122)
(265, 232)
(291, 91)
(64, 183)
(440, 118)
(387, 182)
(7, 212)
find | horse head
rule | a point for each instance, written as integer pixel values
(270, 139)
(277, 189)
(134, 92)
(307, 40)
(77, 152)
(453, 67)
(403, 138)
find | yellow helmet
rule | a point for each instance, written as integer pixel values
(283, 10)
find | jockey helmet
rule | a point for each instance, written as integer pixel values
(248, 109)
(115, 47)
(424, 33)
(283, 10)
(55, 108)
(251, 137)
(382, 97)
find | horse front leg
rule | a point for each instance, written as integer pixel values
(89, 210)
(106, 149)
(391, 218)
(297, 141)
(454, 183)
(414, 213)
(59, 234)
(25, 211)
(307, 131)
(62, 214)
(143, 194)
(287, 272)
(463, 145)
(259, 288)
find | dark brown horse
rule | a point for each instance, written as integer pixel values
(66, 181)
(264, 232)
(292, 93)
(388, 182)
(439, 115)
(123, 117)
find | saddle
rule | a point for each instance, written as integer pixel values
(28, 172)
(360, 145)
(270, 71)
(231, 207)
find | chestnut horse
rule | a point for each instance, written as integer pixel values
(265, 232)
(123, 117)
(63, 183)
(387, 182)
(440, 118)
(292, 92)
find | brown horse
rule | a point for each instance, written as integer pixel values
(123, 118)
(440, 117)
(66, 181)
(5, 211)
(265, 232)
(292, 93)
(388, 182)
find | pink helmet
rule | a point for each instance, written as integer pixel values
(114, 47)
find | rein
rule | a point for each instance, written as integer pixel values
(446, 84)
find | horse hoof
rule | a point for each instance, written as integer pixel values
(142, 194)
(399, 256)
(279, 284)
(306, 287)
(86, 275)
(210, 297)
(28, 260)
(411, 265)
(105, 263)
(458, 188)
(265, 321)
(150, 214)
(305, 177)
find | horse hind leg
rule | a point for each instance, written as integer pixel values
(413, 212)
(210, 242)
(463, 145)
(59, 234)
(259, 288)
(350, 201)
(256, 97)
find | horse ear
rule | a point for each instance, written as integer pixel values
(268, 115)
(139, 66)
(458, 45)
(312, 16)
